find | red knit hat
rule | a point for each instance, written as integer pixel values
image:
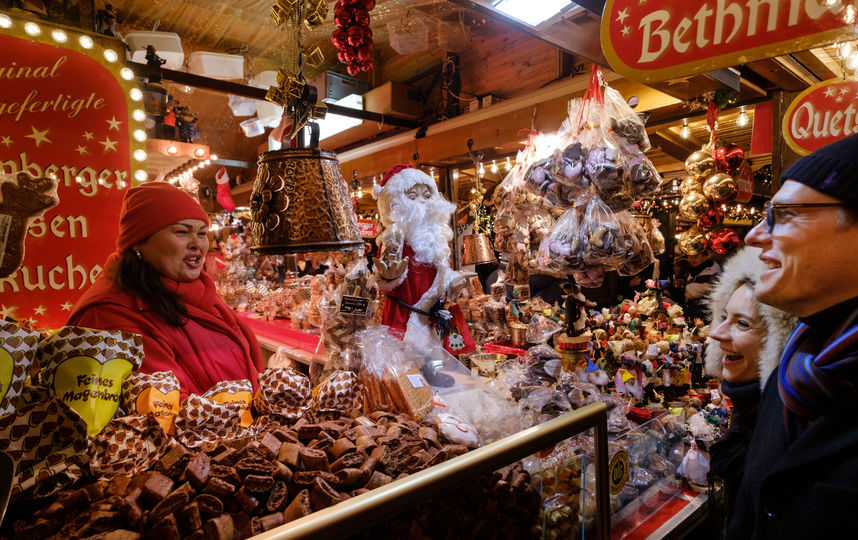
(150, 207)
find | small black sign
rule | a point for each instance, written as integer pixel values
(354, 305)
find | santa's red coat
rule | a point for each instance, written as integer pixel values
(418, 280)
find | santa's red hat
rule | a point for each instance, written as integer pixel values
(400, 179)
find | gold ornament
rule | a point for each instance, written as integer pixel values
(700, 164)
(313, 57)
(689, 184)
(721, 188)
(693, 205)
(693, 241)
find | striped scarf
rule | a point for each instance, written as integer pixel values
(810, 381)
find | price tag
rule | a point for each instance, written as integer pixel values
(417, 381)
(354, 305)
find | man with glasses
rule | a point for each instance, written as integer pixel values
(801, 473)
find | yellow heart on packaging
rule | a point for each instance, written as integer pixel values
(7, 365)
(92, 389)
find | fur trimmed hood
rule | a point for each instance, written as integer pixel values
(746, 267)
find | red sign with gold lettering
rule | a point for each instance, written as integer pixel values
(822, 114)
(64, 114)
(659, 40)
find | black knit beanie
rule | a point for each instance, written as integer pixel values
(833, 170)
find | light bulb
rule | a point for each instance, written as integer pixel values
(508, 165)
(685, 132)
(213, 157)
(138, 115)
(59, 36)
(110, 55)
(482, 171)
(126, 74)
(141, 175)
(86, 42)
(172, 150)
(139, 154)
(852, 62)
(455, 174)
(845, 50)
(494, 167)
(5, 21)
(32, 29)
(199, 152)
(135, 94)
(742, 119)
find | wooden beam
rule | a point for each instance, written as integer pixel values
(782, 155)
(579, 39)
(675, 147)
(816, 66)
(779, 76)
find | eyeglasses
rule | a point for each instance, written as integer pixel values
(773, 214)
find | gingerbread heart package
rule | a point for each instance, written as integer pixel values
(85, 369)
(340, 392)
(221, 413)
(47, 441)
(153, 394)
(126, 446)
(17, 352)
(284, 392)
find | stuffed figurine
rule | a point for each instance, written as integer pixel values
(413, 267)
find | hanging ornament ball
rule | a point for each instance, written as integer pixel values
(356, 36)
(700, 163)
(350, 3)
(362, 17)
(694, 205)
(723, 241)
(693, 241)
(344, 19)
(337, 8)
(368, 4)
(364, 54)
(349, 55)
(714, 216)
(689, 184)
(353, 69)
(340, 38)
(720, 187)
(342, 57)
(367, 65)
(729, 157)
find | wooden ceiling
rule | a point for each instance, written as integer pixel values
(498, 57)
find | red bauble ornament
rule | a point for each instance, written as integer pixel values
(713, 217)
(356, 36)
(348, 55)
(364, 54)
(728, 158)
(341, 56)
(367, 4)
(367, 65)
(337, 8)
(353, 69)
(340, 38)
(344, 19)
(362, 17)
(723, 241)
(350, 3)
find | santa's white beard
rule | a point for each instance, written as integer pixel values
(427, 228)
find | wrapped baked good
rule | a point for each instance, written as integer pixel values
(340, 392)
(624, 121)
(127, 445)
(153, 394)
(601, 237)
(17, 352)
(85, 368)
(221, 413)
(283, 392)
(47, 441)
(562, 250)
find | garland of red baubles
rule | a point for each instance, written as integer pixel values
(353, 36)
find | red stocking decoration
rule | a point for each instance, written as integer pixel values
(224, 197)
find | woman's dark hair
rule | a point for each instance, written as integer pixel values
(138, 277)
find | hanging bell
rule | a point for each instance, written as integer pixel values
(477, 249)
(300, 202)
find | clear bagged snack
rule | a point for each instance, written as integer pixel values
(624, 121)
(561, 250)
(639, 250)
(601, 236)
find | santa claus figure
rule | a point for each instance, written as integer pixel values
(413, 267)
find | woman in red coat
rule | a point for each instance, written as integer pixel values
(154, 285)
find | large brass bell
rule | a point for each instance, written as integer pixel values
(300, 202)
(477, 249)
